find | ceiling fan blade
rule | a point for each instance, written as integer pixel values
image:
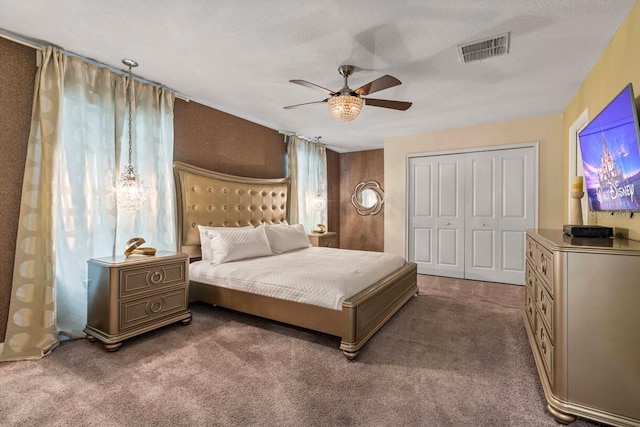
(312, 86)
(385, 103)
(378, 84)
(306, 103)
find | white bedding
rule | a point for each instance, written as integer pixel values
(318, 276)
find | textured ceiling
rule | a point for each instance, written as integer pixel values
(238, 56)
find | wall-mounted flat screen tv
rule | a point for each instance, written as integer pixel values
(611, 156)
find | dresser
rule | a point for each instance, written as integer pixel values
(582, 316)
(128, 296)
(328, 239)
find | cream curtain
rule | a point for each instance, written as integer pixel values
(78, 146)
(308, 176)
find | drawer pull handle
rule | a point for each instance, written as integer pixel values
(544, 347)
(543, 264)
(156, 277)
(156, 306)
(544, 307)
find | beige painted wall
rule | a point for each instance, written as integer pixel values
(618, 65)
(546, 130)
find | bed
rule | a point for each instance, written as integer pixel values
(218, 200)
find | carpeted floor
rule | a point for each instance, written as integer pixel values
(456, 355)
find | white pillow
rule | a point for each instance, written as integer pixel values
(206, 234)
(284, 238)
(235, 244)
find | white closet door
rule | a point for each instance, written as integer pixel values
(468, 213)
(517, 212)
(436, 223)
(500, 206)
(481, 216)
(421, 213)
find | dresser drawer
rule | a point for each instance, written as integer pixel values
(135, 281)
(545, 305)
(143, 310)
(530, 278)
(544, 265)
(546, 349)
(531, 250)
(530, 309)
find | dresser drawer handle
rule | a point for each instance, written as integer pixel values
(544, 307)
(543, 264)
(156, 277)
(543, 346)
(156, 306)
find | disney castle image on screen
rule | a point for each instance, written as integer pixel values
(611, 156)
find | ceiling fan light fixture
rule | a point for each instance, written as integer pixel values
(345, 107)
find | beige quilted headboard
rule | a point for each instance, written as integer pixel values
(210, 198)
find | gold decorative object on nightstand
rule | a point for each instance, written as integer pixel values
(130, 295)
(328, 239)
(133, 247)
(320, 230)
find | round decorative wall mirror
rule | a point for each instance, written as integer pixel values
(368, 198)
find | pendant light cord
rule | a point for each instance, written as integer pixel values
(130, 103)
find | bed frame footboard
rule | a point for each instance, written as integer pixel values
(367, 311)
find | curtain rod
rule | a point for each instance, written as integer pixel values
(287, 134)
(38, 45)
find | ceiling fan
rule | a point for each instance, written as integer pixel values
(345, 104)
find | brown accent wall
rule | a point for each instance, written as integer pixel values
(17, 77)
(218, 141)
(357, 231)
(333, 192)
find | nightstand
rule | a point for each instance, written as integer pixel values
(128, 296)
(325, 240)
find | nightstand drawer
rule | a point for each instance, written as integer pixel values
(135, 281)
(139, 311)
(328, 242)
(324, 240)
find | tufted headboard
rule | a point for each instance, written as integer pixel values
(215, 199)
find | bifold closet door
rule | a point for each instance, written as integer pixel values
(436, 223)
(499, 207)
(468, 213)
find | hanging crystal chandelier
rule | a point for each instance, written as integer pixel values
(129, 191)
(345, 107)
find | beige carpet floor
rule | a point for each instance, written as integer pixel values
(456, 355)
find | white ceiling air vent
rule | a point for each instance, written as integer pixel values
(483, 49)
